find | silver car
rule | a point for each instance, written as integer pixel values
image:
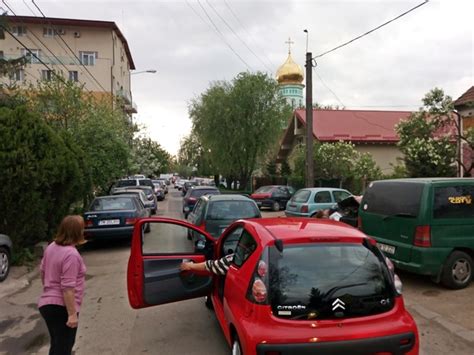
(5, 256)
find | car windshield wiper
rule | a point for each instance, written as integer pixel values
(400, 214)
(331, 292)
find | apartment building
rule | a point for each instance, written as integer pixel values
(93, 53)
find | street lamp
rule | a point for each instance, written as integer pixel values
(152, 71)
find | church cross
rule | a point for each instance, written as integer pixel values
(290, 42)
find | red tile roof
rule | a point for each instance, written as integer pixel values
(467, 97)
(355, 125)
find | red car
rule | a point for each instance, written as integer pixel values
(295, 286)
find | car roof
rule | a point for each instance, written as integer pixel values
(428, 180)
(114, 196)
(205, 188)
(316, 189)
(227, 197)
(303, 229)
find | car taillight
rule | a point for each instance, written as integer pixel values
(131, 220)
(262, 268)
(422, 236)
(304, 209)
(398, 284)
(259, 291)
(89, 223)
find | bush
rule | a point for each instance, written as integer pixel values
(40, 176)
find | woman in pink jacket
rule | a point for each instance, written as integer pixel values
(63, 275)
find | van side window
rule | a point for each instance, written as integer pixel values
(453, 202)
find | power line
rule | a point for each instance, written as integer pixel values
(248, 34)
(368, 32)
(327, 87)
(222, 36)
(70, 49)
(237, 35)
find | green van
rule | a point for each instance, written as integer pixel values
(424, 225)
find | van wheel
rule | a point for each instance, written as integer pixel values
(275, 206)
(236, 348)
(457, 270)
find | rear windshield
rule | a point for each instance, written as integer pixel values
(112, 203)
(393, 198)
(301, 196)
(307, 282)
(200, 192)
(219, 210)
(264, 189)
(453, 202)
(145, 183)
(125, 183)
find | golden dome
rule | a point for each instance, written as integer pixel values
(290, 72)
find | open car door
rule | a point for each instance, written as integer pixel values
(153, 275)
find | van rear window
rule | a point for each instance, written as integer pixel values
(453, 202)
(393, 198)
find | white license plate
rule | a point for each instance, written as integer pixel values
(109, 222)
(259, 203)
(389, 249)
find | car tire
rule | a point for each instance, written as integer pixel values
(236, 347)
(275, 206)
(5, 263)
(457, 270)
(147, 228)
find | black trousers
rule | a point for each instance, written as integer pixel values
(62, 337)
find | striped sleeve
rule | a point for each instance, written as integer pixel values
(220, 266)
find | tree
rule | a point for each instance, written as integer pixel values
(194, 156)
(237, 122)
(41, 176)
(149, 158)
(428, 151)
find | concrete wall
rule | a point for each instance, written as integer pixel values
(383, 154)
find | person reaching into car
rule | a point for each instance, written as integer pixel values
(63, 278)
(217, 267)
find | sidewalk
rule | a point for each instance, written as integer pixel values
(18, 278)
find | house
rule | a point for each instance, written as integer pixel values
(93, 53)
(370, 131)
(465, 107)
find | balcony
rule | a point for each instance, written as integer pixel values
(129, 106)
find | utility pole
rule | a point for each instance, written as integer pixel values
(309, 121)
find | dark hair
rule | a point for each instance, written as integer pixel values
(322, 214)
(70, 231)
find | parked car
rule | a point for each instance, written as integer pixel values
(214, 213)
(294, 286)
(114, 216)
(140, 194)
(179, 184)
(6, 247)
(150, 195)
(306, 202)
(187, 185)
(273, 196)
(424, 225)
(163, 182)
(193, 194)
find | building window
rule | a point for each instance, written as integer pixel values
(73, 75)
(31, 55)
(88, 58)
(18, 75)
(46, 74)
(19, 31)
(48, 32)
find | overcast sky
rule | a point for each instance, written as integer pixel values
(391, 68)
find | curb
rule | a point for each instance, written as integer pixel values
(453, 328)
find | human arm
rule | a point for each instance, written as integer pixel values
(70, 302)
(190, 266)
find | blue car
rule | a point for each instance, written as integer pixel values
(306, 202)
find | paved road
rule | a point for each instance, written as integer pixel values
(109, 326)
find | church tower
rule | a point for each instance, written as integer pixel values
(290, 77)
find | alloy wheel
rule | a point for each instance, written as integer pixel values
(461, 270)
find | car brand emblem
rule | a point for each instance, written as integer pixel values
(338, 304)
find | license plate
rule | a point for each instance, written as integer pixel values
(109, 222)
(259, 203)
(389, 249)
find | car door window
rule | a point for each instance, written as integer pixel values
(340, 195)
(229, 244)
(322, 197)
(245, 247)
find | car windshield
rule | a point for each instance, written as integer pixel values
(219, 210)
(145, 182)
(112, 203)
(264, 189)
(307, 280)
(301, 196)
(125, 183)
